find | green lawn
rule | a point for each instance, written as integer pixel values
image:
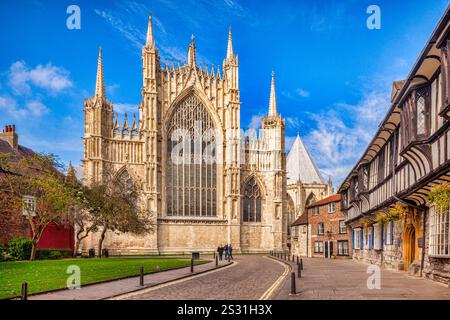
(48, 275)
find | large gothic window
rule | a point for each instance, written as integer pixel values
(191, 182)
(252, 202)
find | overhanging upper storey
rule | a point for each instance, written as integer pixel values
(409, 148)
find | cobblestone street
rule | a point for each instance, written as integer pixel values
(250, 278)
(326, 279)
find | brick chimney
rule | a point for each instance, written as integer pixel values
(9, 135)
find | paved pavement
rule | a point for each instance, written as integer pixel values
(118, 287)
(327, 279)
(248, 279)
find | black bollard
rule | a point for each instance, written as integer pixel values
(293, 290)
(214, 255)
(299, 271)
(298, 260)
(24, 291)
(301, 264)
(192, 265)
(141, 277)
(217, 261)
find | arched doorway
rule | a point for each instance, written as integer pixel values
(409, 248)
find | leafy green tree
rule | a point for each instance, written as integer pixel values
(113, 206)
(38, 176)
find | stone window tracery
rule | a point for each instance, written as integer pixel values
(252, 202)
(191, 182)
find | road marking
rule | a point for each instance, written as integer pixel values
(159, 286)
(268, 294)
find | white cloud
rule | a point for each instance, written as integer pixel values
(296, 94)
(133, 34)
(125, 108)
(302, 93)
(293, 123)
(36, 108)
(344, 131)
(31, 108)
(51, 78)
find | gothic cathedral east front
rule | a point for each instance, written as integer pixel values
(239, 197)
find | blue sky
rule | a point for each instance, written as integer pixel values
(333, 74)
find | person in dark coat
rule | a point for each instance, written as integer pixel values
(230, 251)
(220, 252)
(225, 249)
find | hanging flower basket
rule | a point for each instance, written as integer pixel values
(440, 197)
(397, 212)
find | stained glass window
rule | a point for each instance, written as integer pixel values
(252, 202)
(190, 180)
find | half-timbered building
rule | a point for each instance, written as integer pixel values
(387, 194)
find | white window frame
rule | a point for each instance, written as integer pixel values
(439, 229)
(368, 236)
(344, 230)
(331, 207)
(315, 211)
(345, 250)
(356, 235)
(319, 245)
(318, 229)
(377, 236)
(388, 233)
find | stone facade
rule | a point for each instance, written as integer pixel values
(240, 198)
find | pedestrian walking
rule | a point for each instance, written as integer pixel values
(220, 251)
(225, 249)
(230, 251)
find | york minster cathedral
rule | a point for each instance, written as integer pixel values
(237, 195)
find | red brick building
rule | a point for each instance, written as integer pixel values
(12, 225)
(328, 234)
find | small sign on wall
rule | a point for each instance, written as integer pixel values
(421, 243)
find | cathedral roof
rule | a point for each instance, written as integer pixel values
(300, 165)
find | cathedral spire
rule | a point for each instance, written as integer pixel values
(230, 53)
(273, 98)
(191, 53)
(100, 81)
(150, 39)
